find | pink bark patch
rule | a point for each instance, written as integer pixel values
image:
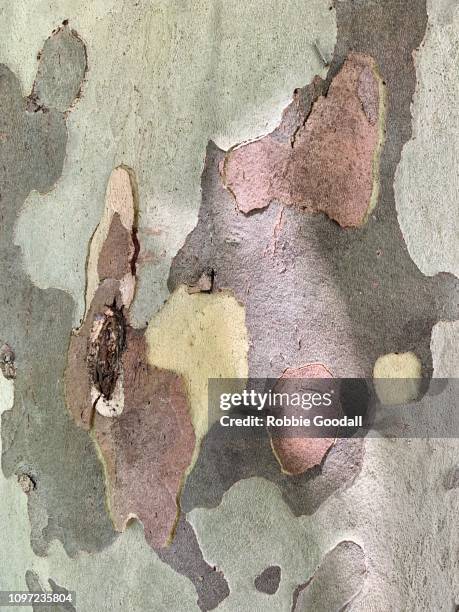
(298, 454)
(328, 164)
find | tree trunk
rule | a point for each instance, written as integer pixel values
(237, 191)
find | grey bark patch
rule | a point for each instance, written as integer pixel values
(32, 581)
(335, 583)
(452, 479)
(226, 459)
(38, 435)
(185, 557)
(32, 150)
(268, 581)
(61, 70)
(56, 588)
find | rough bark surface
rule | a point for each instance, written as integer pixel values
(127, 283)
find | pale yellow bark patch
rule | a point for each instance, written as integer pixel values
(406, 366)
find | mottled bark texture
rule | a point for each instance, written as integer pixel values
(39, 438)
(137, 415)
(294, 267)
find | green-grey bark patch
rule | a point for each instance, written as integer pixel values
(224, 460)
(311, 290)
(38, 436)
(426, 181)
(164, 78)
(253, 529)
(53, 86)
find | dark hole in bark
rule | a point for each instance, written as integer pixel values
(106, 345)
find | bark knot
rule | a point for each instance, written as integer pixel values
(106, 344)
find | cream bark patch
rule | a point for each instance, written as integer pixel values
(403, 366)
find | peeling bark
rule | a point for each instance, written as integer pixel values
(331, 163)
(258, 288)
(137, 415)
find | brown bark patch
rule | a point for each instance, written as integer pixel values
(113, 262)
(147, 448)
